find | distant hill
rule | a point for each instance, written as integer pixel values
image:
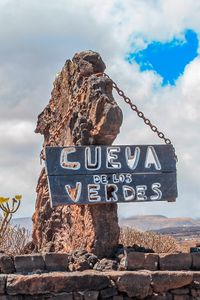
(153, 222)
(181, 228)
(23, 222)
(183, 233)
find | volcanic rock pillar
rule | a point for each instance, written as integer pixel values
(81, 111)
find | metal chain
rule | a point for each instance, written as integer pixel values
(139, 113)
(120, 93)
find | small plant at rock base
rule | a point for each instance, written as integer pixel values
(14, 240)
(8, 206)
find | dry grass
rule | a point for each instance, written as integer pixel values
(184, 246)
(157, 242)
(14, 240)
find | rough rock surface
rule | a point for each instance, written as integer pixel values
(93, 285)
(164, 281)
(6, 264)
(138, 261)
(175, 261)
(81, 260)
(29, 263)
(134, 284)
(81, 111)
(106, 264)
(56, 282)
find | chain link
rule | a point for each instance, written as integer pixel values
(138, 112)
(127, 100)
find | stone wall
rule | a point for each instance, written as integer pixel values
(49, 276)
(93, 285)
(81, 261)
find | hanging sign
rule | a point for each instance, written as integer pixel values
(106, 174)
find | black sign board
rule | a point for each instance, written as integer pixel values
(105, 174)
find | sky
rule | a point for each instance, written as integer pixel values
(158, 56)
(151, 49)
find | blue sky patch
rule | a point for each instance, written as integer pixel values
(167, 59)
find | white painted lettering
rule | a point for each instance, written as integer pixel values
(128, 178)
(111, 157)
(104, 179)
(111, 192)
(152, 159)
(156, 189)
(64, 163)
(128, 193)
(115, 179)
(100, 179)
(140, 191)
(96, 179)
(93, 195)
(74, 192)
(132, 160)
(89, 165)
(121, 177)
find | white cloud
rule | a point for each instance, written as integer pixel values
(36, 39)
(19, 162)
(18, 132)
(175, 111)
